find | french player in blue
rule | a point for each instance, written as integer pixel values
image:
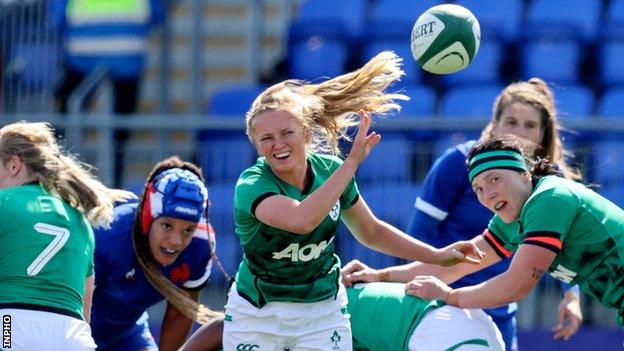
(156, 249)
(447, 209)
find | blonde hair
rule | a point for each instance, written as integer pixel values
(62, 175)
(535, 93)
(151, 268)
(327, 109)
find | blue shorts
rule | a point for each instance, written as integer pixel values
(138, 338)
(507, 326)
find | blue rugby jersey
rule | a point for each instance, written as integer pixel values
(447, 210)
(123, 293)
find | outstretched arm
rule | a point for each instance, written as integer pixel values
(383, 237)
(356, 271)
(527, 268)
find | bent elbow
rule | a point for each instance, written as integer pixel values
(303, 227)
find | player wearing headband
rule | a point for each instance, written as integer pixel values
(548, 223)
(156, 249)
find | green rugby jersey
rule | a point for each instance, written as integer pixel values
(383, 316)
(46, 251)
(279, 265)
(584, 229)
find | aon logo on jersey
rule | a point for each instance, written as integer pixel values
(563, 274)
(306, 253)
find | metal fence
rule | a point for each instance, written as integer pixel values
(29, 57)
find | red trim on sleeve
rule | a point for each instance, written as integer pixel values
(552, 243)
(497, 243)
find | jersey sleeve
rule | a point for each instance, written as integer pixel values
(252, 187)
(548, 231)
(442, 186)
(200, 257)
(91, 248)
(350, 195)
(500, 237)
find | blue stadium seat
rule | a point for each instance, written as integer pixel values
(36, 64)
(554, 60)
(610, 68)
(608, 162)
(401, 47)
(351, 14)
(390, 202)
(577, 18)
(389, 161)
(233, 101)
(389, 27)
(498, 19)
(613, 25)
(468, 101)
(395, 12)
(483, 70)
(223, 155)
(611, 104)
(422, 101)
(221, 213)
(574, 101)
(317, 56)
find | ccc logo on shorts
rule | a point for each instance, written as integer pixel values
(247, 347)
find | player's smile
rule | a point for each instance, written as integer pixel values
(281, 139)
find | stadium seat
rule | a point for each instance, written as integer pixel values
(607, 165)
(422, 101)
(577, 18)
(221, 213)
(317, 56)
(389, 27)
(36, 64)
(351, 14)
(390, 202)
(233, 101)
(613, 26)
(610, 68)
(394, 12)
(390, 161)
(401, 47)
(574, 101)
(611, 104)
(554, 60)
(500, 19)
(484, 69)
(224, 154)
(467, 101)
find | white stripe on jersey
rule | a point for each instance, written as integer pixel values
(192, 284)
(430, 209)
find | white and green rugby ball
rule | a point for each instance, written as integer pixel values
(445, 39)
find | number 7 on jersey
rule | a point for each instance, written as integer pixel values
(60, 238)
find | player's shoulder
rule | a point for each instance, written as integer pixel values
(326, 162)
(454, 158)
(122, 224)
